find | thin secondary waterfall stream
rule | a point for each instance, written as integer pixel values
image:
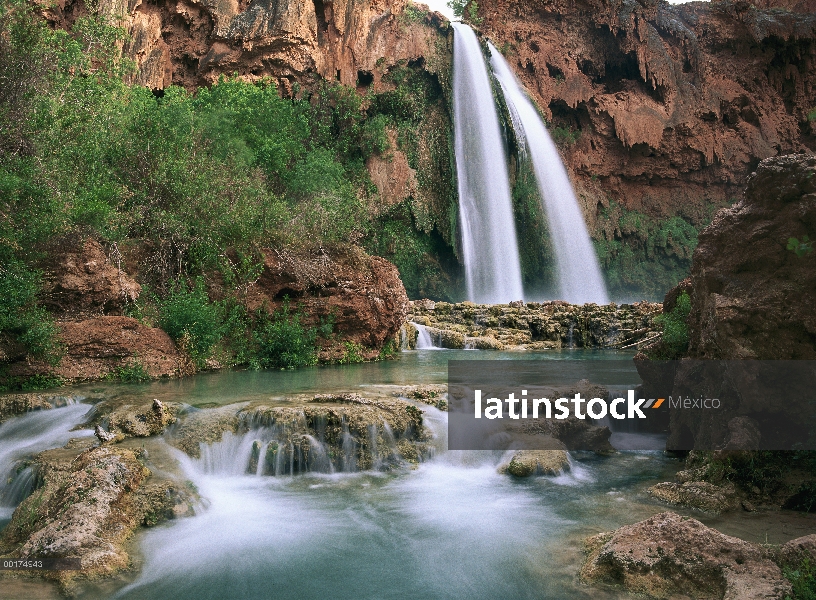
(579, 275)
(489, 244)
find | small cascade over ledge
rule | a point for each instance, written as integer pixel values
(579, 275)
(424, 340)
(488, 232)
(334, 433)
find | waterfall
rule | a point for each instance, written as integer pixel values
(489, 244)
(579, 275)
(424, 340)
(24, 436)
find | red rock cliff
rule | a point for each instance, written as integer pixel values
(192, 43)
(675, 104)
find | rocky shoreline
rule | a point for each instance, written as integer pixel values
(532, 325)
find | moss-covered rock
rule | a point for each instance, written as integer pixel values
(534, 325)
(88, 503)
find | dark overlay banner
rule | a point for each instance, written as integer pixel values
(606, 404)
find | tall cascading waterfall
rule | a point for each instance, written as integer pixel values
(489, 244)
(579, 274)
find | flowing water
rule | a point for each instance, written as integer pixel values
(24, 436)
(489, 243)
(453, 527)
(424, 340)
(579, 275)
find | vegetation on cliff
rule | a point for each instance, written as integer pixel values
(191, 184)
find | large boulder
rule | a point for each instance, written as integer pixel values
(669, 556)
(100, 347)
(362, 295)
(752, 297)
(536, 462)
(89, 503)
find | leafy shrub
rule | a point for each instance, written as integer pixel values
(389, 350)
(282, 341)
(565, 136)
(188, 314)
(675, 337)
(803, 581)
(20, 317)
(353, 353)
(25, 384)
(132, 372)
(800, 248)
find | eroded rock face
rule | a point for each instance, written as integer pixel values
(668, 555)
(191, 44)
(751, 297)
(97, 347)
(802, 6)
(674, 104)
(81, 280)
(363, 295)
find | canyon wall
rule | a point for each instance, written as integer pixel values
(192, 43)
(661, 111)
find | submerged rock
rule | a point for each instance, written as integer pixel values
(204, 427)
(669, 555)
(536, 462)
(323, 433)
(433, 395)
(702, 495)
(17, 404)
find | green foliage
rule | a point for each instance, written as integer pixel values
(458, 7)
(283, 342)
(765, 470)
(803, 580)
(564, 136)
(535, 247)
(413, 13)
(473, 13)
(352, 353)
(811, 116)
(389, 350)
(675, 337)
(20, 318)
(394, 235)
(26, 384)
(466, 10)
(642, 257)
(132, 372)
(800, 248)
(199, 182)
(188, 315)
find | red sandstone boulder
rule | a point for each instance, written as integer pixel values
(363, 295)
(752, 297)
(669, 555)
(97, 347)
